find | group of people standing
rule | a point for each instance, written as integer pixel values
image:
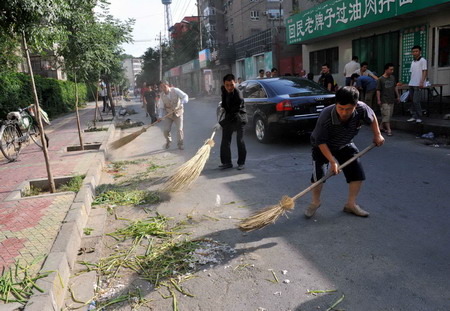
(381, 92)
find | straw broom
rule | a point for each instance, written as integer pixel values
(270, 214)
(130, 137)
(189, 171)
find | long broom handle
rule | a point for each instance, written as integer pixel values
(144, 128)
(329, 174)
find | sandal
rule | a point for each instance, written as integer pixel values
(389, 134)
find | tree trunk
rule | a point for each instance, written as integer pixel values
(77, 114)
(111, 99)
(51, 181)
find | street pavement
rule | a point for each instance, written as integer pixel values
(396, 259)
(29, 226)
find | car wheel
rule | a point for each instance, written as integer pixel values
(262, 131)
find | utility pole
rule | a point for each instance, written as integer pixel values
(199, 25)
(160, 57)
(200, 78)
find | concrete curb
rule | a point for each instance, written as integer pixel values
(63, 253)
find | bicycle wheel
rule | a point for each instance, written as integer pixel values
(35, 135)
(9, 141)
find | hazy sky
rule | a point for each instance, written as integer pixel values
(149, 16)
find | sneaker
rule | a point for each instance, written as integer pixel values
(311, 210)
(167, 145)
(357, 210)
(418, 121)
(225, 166)
(240, 167)
(411, 120)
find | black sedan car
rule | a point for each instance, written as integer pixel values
(277, 106)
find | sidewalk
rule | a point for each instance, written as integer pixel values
(29, 226)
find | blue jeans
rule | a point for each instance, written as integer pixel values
(415, 94)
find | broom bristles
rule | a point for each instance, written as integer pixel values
(189, 171)
(267, 216)
(126, 139)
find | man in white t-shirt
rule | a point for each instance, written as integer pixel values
(172, 101)
(350, 68)
(416, 82)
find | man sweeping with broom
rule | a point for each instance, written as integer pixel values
(172, 100)
(332, 141)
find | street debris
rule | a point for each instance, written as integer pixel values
(128, 123)
(286, 281)
(315, 292)
(277, 293)
(333, 306)
(18, 283)
(217, 200)
(284, 272)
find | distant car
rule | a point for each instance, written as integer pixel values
(278, 106)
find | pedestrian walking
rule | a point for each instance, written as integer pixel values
(144, 89)
(104, 96)
(150, 97)
(387, 96)
(172, 101)
(326, 79)
(368, 87)
(417, 82)
(332, 141)
(350, 68)
(234, 119)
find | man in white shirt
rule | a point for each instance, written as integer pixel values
(172, 100)
(350, 68)
(364, 71)
(416, 82)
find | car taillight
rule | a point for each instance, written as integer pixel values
(285, 105)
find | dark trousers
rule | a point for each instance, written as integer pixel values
(225, 150)
(151, 110)
(105, 103)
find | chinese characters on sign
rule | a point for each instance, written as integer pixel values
(411, 36)
(336, 15)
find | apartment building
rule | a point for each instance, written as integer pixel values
(132, 67)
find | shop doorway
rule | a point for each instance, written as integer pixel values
(378, 50)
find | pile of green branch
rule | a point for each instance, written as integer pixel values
(16, 283)
(126, 197)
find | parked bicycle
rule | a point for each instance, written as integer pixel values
(17, 130)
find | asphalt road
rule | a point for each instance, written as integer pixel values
(396, 259)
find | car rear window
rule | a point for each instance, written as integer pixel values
(297, 87)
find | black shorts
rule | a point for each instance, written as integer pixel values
(353, 172)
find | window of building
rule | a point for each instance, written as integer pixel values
(274, 13)
(254, 15)
(318, 58)
(444, 47)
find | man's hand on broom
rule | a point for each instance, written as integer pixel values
(334, 168)
(216, 127)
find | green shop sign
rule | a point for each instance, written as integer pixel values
(338, 15)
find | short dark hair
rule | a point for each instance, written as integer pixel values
(347, 95)
(355, 57)
(274, 69)
(364, 64)
(228, 77)
(416, 47)
(388, 65)
(354, 76)
(261, 70)
(327, 65)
